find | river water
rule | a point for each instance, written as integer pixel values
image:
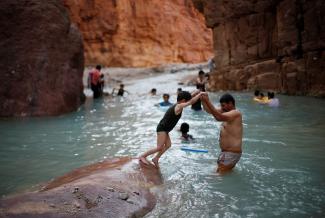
(281, 172)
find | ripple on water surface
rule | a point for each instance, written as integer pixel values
(281, 172)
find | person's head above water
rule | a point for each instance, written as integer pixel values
(183, 96)
(271, 95)
(201, 74)
(178, 90)
(166, 97)
(98, 67)
(153, 91)
(185, 128)
(256, 93)
(227, 102)
(121, 86)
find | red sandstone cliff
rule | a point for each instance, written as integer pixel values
(140, 33)
(267, 44)
(41, 59)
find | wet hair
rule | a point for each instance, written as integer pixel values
(185, 127)
(201, 72)
(166, 95)
(271, 95)
(121, 85)
(184, 95)
(227, 98)
(98, 67)
(153, 90)
(257, 92)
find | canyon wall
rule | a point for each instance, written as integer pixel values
(41, 59)
(141, 33)
(269, 45)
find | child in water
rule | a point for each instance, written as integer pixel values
(165, 101)
(120, 91)
(185, 129)
(167, 124)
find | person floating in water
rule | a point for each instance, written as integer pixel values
(231, 132)
(185, 128)
(273, 102)
(165, 101)
(260, 98)
(167, 124)
(153, 91)
(120, 91)
(200, 85)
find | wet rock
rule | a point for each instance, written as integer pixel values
(110, 189)
(41, 59)
(123, 196)
(92, 198)
(281, 43)
(75, 190)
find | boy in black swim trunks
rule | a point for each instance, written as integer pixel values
(167, 123)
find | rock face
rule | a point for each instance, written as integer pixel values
(41, 59)
(268, 44)
(141, 33)
(113, 188)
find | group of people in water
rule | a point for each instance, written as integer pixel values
(270, 99)
(96, 83)
(230, 140)
(230, 135)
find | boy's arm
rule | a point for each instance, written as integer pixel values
(194, 93)
(180, 106)
(226, 116)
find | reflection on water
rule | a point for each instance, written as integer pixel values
(281, 172)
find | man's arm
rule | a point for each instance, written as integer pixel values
(205, 107)
(216, 113)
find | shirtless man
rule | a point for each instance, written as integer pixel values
(231, 132)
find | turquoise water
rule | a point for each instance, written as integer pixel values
(281, 172)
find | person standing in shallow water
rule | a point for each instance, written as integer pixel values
(167, 124)
(94, 81)
(200, 85)
(231, 132)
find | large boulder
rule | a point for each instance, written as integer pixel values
(141, 33)
(114, 188)
(286, 36)
(41, 59)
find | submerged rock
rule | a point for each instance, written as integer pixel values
(41, 59)
(84, 193)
